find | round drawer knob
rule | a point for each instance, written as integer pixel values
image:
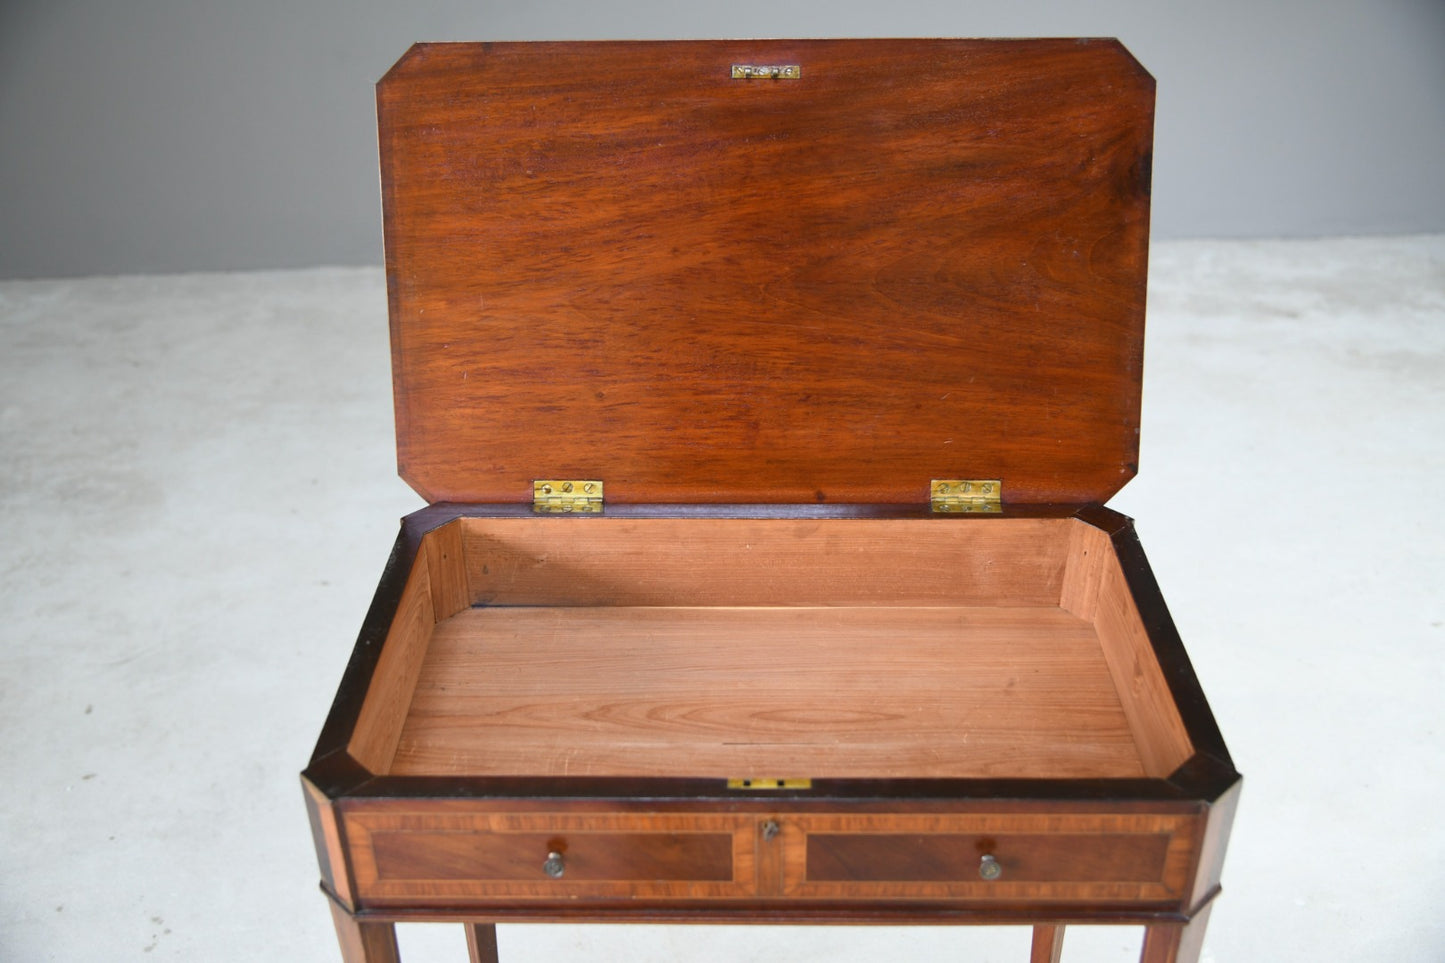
(771, 829)
(555, 866)
(988, 867)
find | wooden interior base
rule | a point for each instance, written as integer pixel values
(957, 648)
(782, 692)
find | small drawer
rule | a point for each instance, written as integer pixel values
(968, 858)
(561, 857)
(1056, 858)
(422, 856)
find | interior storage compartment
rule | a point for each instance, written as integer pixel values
(768, 648)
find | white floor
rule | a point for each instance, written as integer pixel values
(197, 493)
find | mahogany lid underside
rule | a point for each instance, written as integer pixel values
(919, 260)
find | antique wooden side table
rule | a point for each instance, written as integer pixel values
(766, 397)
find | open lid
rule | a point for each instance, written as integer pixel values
(883, 262)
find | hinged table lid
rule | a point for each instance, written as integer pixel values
(847, 269)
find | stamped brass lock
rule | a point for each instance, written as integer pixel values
(767, 71)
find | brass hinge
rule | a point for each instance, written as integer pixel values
(566, 497)
(966, 495)
(757, 784)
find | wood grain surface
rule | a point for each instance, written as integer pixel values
(551, 560)
(378, 726)
(922, 259)
(1047, 945)
(1153, 715)
(406, 857)
(482, 942)
(894, 857)
(589, 857)
(407, 854)
(778, 692)
(1060, 857)
(811, 648)
(363, 941)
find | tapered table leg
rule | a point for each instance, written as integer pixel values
(482, 942)
(364, 942)
(1175, 942)
(1048, 944)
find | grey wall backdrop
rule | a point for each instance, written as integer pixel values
(178, 135)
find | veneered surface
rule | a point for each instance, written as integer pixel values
(923, 259)
(837, 692)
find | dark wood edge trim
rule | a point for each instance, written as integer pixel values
(337, 774)
(1103, 518)
(1178, 671)
(1204, 777)
(1200, 906)
(345, 907)
(432, 517)
(752, 912)
(346, 707)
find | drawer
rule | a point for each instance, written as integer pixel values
(946, 857)
(1058, 858)
(402, 857)
(450, 856)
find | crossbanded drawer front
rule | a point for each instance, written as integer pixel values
(945, 858)
(403, 857)
(1070, 858)
(572, 856)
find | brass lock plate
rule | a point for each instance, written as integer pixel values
(765, 784)
(767, 71)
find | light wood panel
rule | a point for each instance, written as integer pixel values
(1142, 690)
(446, 570)
(1089, 554)
(1094, 589)
(738, 561)
(378, 727)
(779, 692)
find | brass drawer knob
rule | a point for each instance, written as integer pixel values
(988, 867)
(555, 865)
(771, 829)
